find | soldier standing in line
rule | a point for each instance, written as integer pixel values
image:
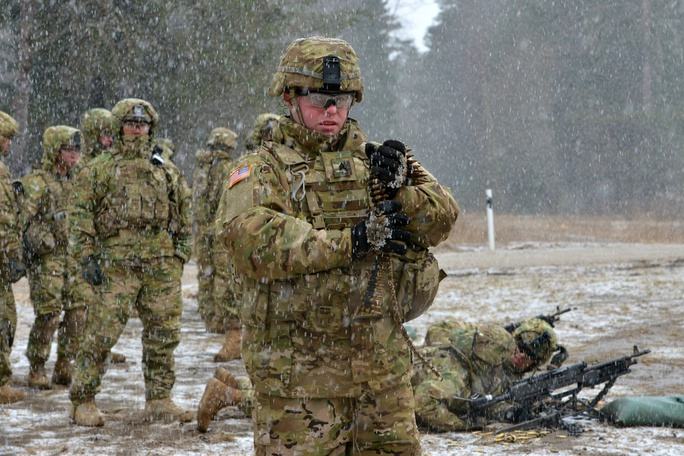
(97, 130)
(216, 296)
(265, 126)
(11, 264)
(326, 353)
(45, 230)
(130, 229)
(474, 359)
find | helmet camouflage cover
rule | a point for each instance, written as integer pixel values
(536, 338)
(222, 137)
(95, 123)
(8, 126)
(135, 109)
(264, 126)
(56, 137)
(303, 65)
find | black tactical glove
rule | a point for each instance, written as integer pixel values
(381, 231)
(388, 164)
(91, 271)
(16, 270)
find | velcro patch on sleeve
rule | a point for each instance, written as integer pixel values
(239, 174)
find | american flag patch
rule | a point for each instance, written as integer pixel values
(238, 175)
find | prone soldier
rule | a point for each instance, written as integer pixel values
(475, 359)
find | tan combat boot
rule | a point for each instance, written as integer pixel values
(117, 358)
(165, 410)
(221, 374)
(62, 373)
(217, 395)
(231, 347)
(9, 395)
(37, 378)
(87, 414)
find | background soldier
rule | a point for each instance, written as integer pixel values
(45, 236)
(167, 147)
(330, 368)
(264, 127)
(130, 228)
(474, 358)
(216, 298)
(11, 265)
(97, 128)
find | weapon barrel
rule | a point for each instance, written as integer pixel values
(609, 370)
(534, 388)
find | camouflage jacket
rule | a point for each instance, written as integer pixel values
(10, 240)
(125, 208)
(211, 172)
(472, 359)
(286, 216)
(43, 214)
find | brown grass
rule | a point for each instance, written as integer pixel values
(471, 228)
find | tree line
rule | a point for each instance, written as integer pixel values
(563, 106)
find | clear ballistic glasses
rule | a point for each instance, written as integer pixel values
(322, 100)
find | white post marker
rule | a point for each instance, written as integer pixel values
(490, 219)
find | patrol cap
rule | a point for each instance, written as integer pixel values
(8, 126)
(537, 339)
(318, 63)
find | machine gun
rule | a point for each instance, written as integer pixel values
(549, 318)
(544, 400)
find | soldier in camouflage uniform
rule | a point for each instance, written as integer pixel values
(97, 128)
(474, 359)
(264, 127)
(322, 340)
(130, 229)
(211, 171)
(11, 264)
(44, 208)
(168, 148)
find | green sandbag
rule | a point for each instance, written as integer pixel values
(646, 411)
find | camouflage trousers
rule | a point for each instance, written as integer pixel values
(154, 290)
(216, 300)
(373, 424)
(53, 289)
(8, 326)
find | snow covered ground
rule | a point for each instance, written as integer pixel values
(624, 294)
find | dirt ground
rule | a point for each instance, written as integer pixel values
(624, 294)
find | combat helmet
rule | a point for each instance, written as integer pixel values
(323, 64)
(137, 110)
(95, 123)
(537, 339)
(8, 126)
(222, 138)
(264, 128)
(56, 137)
